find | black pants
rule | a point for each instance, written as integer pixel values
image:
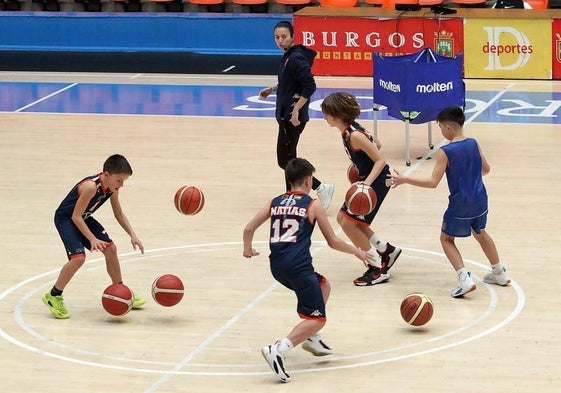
(287, 142)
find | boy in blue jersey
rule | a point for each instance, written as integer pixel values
(464, 164)
(293, 216)
(79, 230)
(341, 111)
(295, 86)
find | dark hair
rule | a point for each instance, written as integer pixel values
(287, 25)
(297, 170)
(117, 164)
(342, 106)
(452, 114)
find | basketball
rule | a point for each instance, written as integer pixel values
(352, 174)
(416, 309)
(167, 290)
(360, 199)
(189, 200)
(117, 299)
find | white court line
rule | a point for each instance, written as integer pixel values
(217, 334)
(46, 97)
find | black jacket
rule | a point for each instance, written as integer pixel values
(295, 78)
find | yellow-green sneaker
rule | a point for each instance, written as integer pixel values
(56, 305)
(138, 302)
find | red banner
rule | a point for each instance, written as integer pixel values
(345, 45)
(556, 49)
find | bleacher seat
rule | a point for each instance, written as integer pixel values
(169, 5)
(430, 3)
(129, 5)
(256, 6)
(376, 3)
(538, 4)
(338, 3)
(209, 5)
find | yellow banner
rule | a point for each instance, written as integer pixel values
(507, 48)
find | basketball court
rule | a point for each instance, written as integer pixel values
(211, 131)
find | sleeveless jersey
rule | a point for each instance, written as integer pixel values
(363, 161)
(67, 205)
(468, 196)
(291, 229)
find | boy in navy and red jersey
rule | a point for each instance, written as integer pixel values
(293, 216)
(464, 164)
(341, 111)
(79, 230)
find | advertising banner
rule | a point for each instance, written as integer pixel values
(556, 48)
(508, 48)
(345, 44)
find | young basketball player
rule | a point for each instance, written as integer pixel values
(293, 216)
(464, 165)
(341, 111)
(79, 230)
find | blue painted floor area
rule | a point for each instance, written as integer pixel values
(242, 101)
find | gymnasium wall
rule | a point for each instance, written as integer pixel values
(138, 42)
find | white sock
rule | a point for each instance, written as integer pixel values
(377, 262)
(462, 274)
(497, 269)
(284, 346)
(315, 337)
(380, 245)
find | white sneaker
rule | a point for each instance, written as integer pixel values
(499, 279)
(316, 347)
(275, 360)
(325, 193)
(466, 285)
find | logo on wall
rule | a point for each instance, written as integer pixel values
(507, 48)
(444, 43)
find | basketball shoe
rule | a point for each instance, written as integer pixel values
(56, 305)
(389, 256)
(499, 279)
(276, 360)
(138, 302)
(466, 285)
(315, 345)
(374, 275)
(325, 193)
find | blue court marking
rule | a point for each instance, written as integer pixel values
(240, 101)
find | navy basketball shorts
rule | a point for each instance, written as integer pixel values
(306, 284)
(74, 241)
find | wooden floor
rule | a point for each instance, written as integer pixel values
(494, 340)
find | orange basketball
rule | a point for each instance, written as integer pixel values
(360, 199)
(416, 309)
(167, 290)
(189, 200)
(352, 174)
(117, 299)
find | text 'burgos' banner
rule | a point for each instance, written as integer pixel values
(416, 87)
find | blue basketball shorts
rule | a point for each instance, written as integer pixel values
(462, 227)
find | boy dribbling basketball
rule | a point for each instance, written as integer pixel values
(78, 229)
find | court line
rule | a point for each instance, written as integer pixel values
(217, 334)
(520, 304)
(46, 97)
